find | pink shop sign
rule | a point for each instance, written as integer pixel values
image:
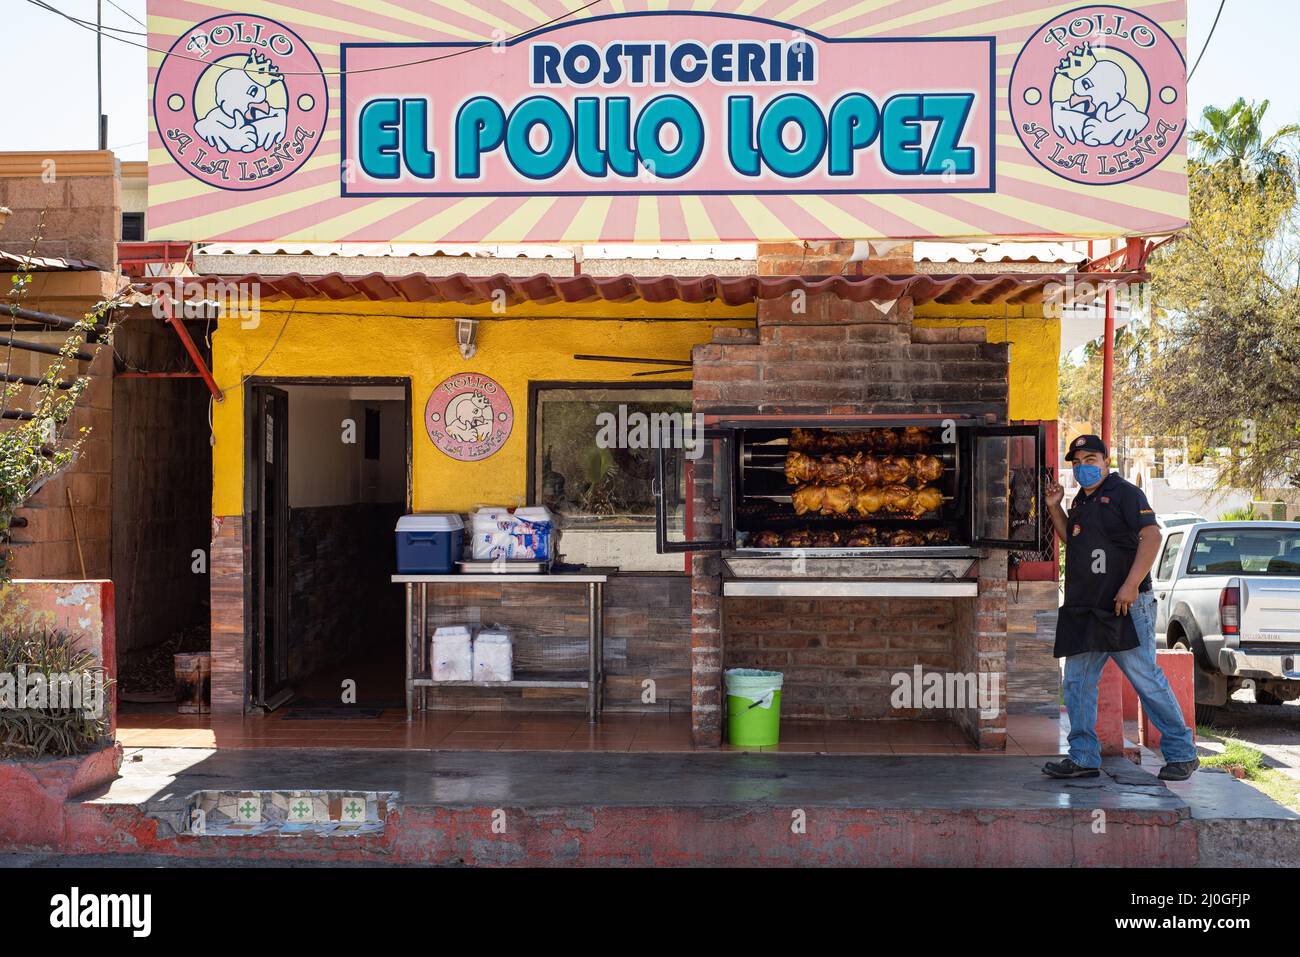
(469, 416)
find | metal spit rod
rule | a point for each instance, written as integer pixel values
(787, 499)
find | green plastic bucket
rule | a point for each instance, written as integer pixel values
(753, 707)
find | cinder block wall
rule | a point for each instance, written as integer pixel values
(48, 546)
(77, 195)
(72, 200)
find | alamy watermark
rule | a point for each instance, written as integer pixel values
(1075, 298)
(651, 430)
(82, 691)
(209, 299)
(955, 690)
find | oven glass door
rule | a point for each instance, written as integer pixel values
(1006, 486)
(693, 494)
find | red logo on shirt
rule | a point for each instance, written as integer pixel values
(1076, 530)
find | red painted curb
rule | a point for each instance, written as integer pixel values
(683, 837)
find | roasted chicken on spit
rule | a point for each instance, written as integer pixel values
(862, 471)
(860, 536)
(818, 441)
(841, 499)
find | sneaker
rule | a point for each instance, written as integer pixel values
(1179, 770)
(1068, 769)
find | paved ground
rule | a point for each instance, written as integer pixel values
(688, 809)
(161, 779)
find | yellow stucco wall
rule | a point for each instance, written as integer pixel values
(364, 339)
(536, 344)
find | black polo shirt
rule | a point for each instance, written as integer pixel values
(1117, 510)
(1102, 531)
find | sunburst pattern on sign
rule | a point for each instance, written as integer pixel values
(1030, 199)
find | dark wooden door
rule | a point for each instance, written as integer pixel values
(270, 474)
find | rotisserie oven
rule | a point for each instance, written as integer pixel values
(827, 488)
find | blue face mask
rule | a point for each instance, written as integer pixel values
(1088, 475)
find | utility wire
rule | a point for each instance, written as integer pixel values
(374, 69)
(128, 15)
(1207, 40)
(87, 24)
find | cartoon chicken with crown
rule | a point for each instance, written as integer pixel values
(1097, 110)
(242, 90)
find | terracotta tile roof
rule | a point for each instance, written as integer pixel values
(14, 262)
(982, 288)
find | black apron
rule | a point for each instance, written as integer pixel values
(1087, 620)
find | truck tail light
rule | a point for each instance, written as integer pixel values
(1230, 610)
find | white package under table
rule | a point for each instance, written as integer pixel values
(419, 675)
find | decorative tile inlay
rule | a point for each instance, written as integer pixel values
(287, 813)
(248, 809)
(302, 809)
(352, 809)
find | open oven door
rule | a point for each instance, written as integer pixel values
(693, 494)
(1006, 491)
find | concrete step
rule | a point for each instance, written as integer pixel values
(685, 809)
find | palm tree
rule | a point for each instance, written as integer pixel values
(1235, 137)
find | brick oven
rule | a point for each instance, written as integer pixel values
(867, 592)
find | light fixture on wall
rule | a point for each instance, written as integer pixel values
(467, 337)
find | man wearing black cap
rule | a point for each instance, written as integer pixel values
(1111, 541)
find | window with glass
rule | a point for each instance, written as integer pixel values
(1246, 551)
(593, 450)
(132, 227)
(1165, 570)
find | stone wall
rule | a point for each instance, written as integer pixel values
(72, 198)
(230, 644)
(72, 202)
(69, 521)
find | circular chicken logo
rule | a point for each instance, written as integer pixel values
(1098, 95)
(240, 102)
(469, 416)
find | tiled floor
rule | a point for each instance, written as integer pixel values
(548, 731)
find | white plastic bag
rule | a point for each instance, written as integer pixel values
(525, 535)
(493, 656)
(753, 685)
(452, 654)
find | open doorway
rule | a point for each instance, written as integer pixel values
(328, 475)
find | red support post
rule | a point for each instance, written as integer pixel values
(178, 325)
(1108, 367)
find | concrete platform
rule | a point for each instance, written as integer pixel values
(561, 808)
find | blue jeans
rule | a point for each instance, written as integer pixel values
(1082, 672)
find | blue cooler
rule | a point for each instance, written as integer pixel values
(429, 543)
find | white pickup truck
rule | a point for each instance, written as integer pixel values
(1230, 593)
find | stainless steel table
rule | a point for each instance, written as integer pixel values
(419, 671)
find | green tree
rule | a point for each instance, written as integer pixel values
(1235, 137)
(1223, 366)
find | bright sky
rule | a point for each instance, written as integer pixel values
(50, 64)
